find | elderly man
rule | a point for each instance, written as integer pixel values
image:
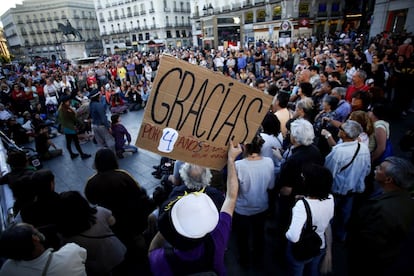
(196, 231)
(349, 163)
(381, 234)
(358, 84)
(344, 108)
(22, 245)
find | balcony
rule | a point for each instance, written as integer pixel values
(53, 30)
(167, 9)
(247, 4)
(63, 16)
(45, 31)
(151, 11)
(32, 32)
(102, 20)
(143, 12)
(39, 32)
(110, 19)
(49, 19)
(259, 2)
(20, 21)
(42, 19)
(76, 16)
(123, 16)
(23, 32)
(153, 26)
(136, 13)
(56, 17)
(35, 20)
(129, 14)
(28, 21)
(116, 17)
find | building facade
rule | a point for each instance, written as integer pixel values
(392, 16)
(142, 25)
(32, 28)
(218, 23)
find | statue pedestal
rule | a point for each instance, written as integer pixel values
(74, 49)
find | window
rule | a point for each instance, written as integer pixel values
(140, 37)
(177, 34)
(147, 36)
(169, 34)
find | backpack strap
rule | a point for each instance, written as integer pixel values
(46, 267)
(353, 158)
(184, 267)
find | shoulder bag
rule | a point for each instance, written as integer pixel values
(309, 243)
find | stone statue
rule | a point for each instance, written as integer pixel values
(68, 29)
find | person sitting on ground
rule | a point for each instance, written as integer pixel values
(118, 105)
(198, 238)
(120, 133)
(89, 227)
(22, 245)
(43, 144)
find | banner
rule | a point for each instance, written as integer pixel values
(193, 112)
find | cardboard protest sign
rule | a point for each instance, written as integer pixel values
(192, 113)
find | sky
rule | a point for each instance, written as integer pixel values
(7, 4)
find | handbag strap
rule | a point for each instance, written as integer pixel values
(49, 259)
(308, 214)
(353, 158)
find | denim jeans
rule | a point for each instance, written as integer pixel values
(343, 211)
(130, 148)
(298, 268)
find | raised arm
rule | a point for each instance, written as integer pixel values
(232, 180)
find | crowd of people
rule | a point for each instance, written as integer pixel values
(325, 139)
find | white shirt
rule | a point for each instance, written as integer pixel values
(322, 212)
(68, 260)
